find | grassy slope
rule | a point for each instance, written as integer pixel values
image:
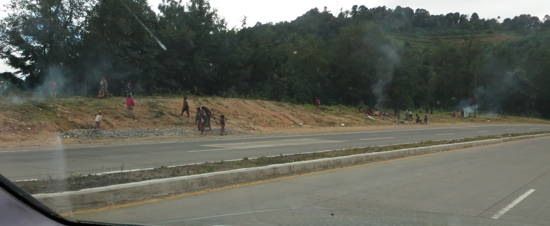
(158, 112)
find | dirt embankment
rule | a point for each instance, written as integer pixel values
(30, 122)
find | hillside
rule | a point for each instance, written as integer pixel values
(32, 122)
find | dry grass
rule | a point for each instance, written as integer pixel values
(46, 117)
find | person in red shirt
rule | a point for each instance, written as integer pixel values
(130, 107)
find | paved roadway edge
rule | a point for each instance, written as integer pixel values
(136, 193)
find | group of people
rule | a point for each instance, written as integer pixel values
(461, 113)
(397, 113)
(376, 112)
(104, 89)
(203, 118)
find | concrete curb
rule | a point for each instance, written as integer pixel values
(145, 190)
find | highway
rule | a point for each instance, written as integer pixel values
(62, 161)
(504, 184)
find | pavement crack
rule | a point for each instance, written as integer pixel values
(513, 193)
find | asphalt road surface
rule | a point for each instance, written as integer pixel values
(504, 184)
(62, 161)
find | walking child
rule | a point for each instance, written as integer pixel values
(185, 107)
(98, 120)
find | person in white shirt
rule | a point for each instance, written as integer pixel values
(98, 120)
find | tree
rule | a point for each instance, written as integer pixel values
(117, 47)
(474, 17)
(40, 36)
(521, 96)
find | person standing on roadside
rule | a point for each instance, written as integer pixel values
(208, 114)
(101, 88)
(199, 119)
(130, 107)
(98, 119)
(317, 102)
(185, 107)
(54, 90)
(128, 89)
(106, 86)
(462, 113)
(222, 124)
(426, 119)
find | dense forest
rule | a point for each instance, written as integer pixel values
(378, 57)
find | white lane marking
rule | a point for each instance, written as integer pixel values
(121, 171)
(514, 203)
(273, 143)
(484, 131)
(210, 150)
(509, 129)
(381, 138)
(443, 134)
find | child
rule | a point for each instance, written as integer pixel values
(222, 123)
(98, 120)
(130, 107)
(426, 119)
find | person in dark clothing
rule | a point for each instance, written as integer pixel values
(426, 119)
(208, 114)
(222, 124)
(200, 119)
(129, 91)
(185, 107)
(462, 113)
(317, 102)
(418, 120)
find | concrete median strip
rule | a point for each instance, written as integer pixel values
(119, 194)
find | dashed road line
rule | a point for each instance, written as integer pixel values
(443, 134)
(381, 138)
(511, 205)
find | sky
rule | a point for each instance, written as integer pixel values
(286, 10)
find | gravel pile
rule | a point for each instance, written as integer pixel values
(123, 134)
(136, 133)
(216, 131)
